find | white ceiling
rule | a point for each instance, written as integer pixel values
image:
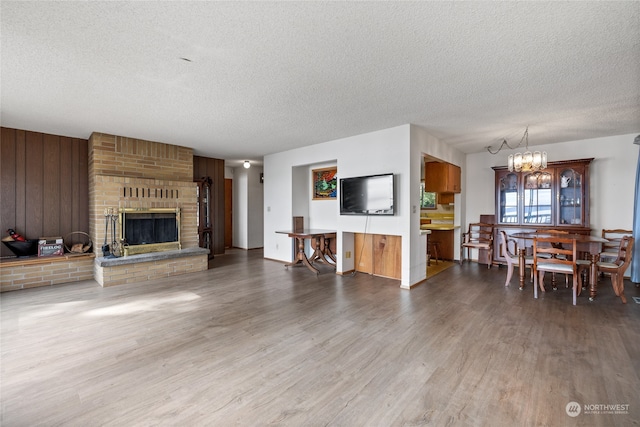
(264, 77)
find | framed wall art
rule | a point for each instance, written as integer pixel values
(325, 183)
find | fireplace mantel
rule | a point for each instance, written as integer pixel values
(151, 256)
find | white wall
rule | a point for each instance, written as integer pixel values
(228, 172)
(385, 151)
(611, 175)
(396, 150)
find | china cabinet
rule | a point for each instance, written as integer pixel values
(554, 198)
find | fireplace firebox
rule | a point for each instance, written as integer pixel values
(144, 230)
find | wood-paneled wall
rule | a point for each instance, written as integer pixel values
(213, 168)
(43, 184)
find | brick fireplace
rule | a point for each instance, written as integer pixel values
(131, 174)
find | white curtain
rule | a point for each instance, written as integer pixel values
(635, 261)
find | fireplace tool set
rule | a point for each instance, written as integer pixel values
(110, 249)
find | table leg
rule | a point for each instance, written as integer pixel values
(316, 255)
(521, 266)
(326, 249)
(301, 257)
(593, 277)
(318, 251)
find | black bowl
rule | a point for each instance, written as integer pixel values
(22, 249)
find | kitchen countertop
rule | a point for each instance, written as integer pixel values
(439, 227)
(438, 216)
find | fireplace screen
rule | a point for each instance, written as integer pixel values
(145, 230)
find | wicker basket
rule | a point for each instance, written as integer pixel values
(78, 242)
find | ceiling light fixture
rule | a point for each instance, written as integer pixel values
(246, 164)
(526, 161)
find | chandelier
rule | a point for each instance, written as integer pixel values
(526, 161)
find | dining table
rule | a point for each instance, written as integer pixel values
(321, 240)
(584, 243)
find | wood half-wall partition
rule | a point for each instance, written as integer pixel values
(43, 184)
(378, 254)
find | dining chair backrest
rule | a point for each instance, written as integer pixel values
(507, 252)
(554, 254)
(614, 236)
(510, 254)
(552, 233)
(617, 268)
(479, 233)
(479, 236)
(624, 251)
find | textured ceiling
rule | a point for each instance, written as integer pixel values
(264, 77)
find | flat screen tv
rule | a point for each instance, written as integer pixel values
(367, 195)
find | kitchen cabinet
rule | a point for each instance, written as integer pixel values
(378, 254)
(445, 198)
(442, 177)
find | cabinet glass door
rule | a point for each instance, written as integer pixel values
(537, 198)
(570, 193)
(508, 197)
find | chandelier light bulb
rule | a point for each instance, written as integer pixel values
(246, 164)
(517, 162)
(526, 161)
(536, 161)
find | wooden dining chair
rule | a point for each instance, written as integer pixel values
(610, 249)
(555, 254)
(509, 251)
(617, 268)
(479, 236)
(553, 276)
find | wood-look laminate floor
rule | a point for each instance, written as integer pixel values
(251, 343)
(439, 267)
